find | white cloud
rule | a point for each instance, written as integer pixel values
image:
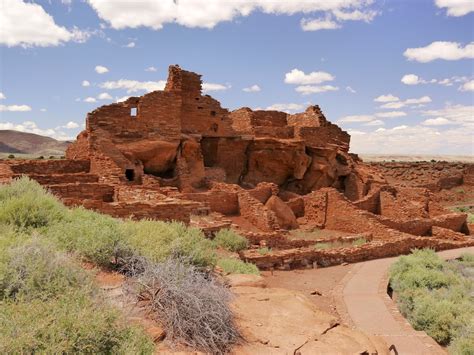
(469, 86)
(440, 50)
(133, 85)
(439, 121)
(291, 107)
(86, 83)
(391, 114)
(153, 69)
(2, 97)
(253, 88)
(15, 108)
(298, 77)
(32, 127)
(410, 79)
(104, 96)
(26, 24)
(393, 105)
(399, 104)
(43, 110)
(418, 139)
(458, 114)
(208, 13)
(356, 15)
(351, 90)
(90, 99)
(374, 123)
(398, 128)
(71, 125)
(421, 100)
(100, 69)
(386, 98)
(456, 7)
(206, 87)
(318, 24)
(121, 99)
(356, 119)
(130, 45)
(311, 89)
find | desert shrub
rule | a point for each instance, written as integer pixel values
(11, 156)
(463, 343)
(96, 237)
(41, 157)
(264, 250)
(470, 218)
(159, 241)
(24, 204)
(193, 307)
(236, 266)
(359, 242)
(433, 294)
(70, 324)
(230, 240)
(322, 246)
(34, 271)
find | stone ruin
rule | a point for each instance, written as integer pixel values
(176, 154)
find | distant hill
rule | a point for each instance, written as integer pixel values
(14, 142)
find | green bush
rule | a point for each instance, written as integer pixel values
(434, 295)
(359, 242)
(96, 237)
(230, 240)
(158, 241)
(35, 271)
(264, 250)
(322, 246)
(70, 324)
(236, 266)
(24, 204)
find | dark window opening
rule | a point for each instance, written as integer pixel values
(130, 174)
(133, 112)
(197, 99)
(200, 108)
(213, 113)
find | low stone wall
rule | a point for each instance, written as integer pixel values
(167, 211)
(94, 191)
(311, 257)
(57, 179)
(225, 202)
(256, 213)
(48, 167)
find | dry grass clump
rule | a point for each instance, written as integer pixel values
(193, 307)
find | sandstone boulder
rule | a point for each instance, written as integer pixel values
(285, 216)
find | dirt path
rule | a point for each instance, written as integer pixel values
(363, 303)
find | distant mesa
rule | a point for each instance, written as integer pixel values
(15, 142)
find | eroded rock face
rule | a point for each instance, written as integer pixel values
(184, 138)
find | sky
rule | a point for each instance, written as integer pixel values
(398, 75)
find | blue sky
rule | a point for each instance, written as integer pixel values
(398, 75)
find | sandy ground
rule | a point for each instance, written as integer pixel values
(311, 282)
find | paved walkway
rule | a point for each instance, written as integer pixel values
(366, 306)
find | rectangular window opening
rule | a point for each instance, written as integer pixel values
(133, 112)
